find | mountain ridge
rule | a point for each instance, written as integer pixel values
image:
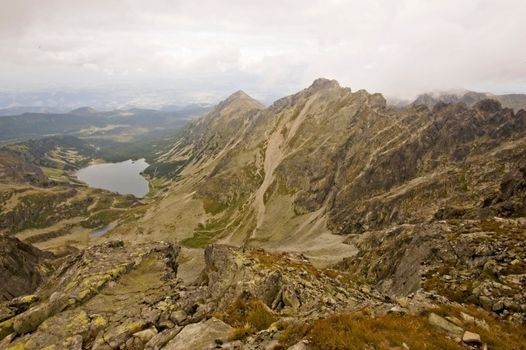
(286, 226)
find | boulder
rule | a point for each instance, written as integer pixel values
(290, 299)
(200, 335)
(117, 336)
(146, 335)
(445, 325)
(162, 338)
(471, 338)
(486, 302)
(178, 316)
(299, 346)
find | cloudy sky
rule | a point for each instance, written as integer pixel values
(203, 50)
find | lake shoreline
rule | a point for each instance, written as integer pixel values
(121, 177)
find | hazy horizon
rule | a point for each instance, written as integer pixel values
(131, 53)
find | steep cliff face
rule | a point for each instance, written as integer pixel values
(22, 268)
(329, 160)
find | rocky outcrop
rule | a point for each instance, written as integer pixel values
(288, 284)
(481, 262)
(120, 295)
(100, 298)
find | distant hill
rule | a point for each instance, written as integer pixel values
(29, 109)
(86, 122)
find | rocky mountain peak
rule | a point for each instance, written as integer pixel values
(241, 99)
(324, 83)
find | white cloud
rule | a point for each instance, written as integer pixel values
(269, 48)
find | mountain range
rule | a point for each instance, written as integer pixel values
(470, 98)
(327, 220)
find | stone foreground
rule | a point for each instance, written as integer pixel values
(127, 296)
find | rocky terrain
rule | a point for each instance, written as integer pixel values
(127, 296)
(331, 161)
(327, 220)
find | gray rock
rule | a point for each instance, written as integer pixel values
(117, 336)
(146, 334)
(454, 320)
(498, 306)
(6, 341)
(445, 325)
(471, 338)
(486, 302)
(162, 338)
(290, 299)
(468, 319)
(178, 316)
(200, 335)
(299, 346)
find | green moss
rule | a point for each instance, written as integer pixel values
(17, 346)
(114, 273)
(99, 321)
(212, 230)
(133, 327)
(79, 322)
(6, 328)
(199, 240)
(54, 173)
(28, 299)
(168, 170)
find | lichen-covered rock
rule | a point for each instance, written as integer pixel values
(93, 298)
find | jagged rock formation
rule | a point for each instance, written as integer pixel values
(470, 261)
(470, 98)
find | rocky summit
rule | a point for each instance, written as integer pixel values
(327, 220)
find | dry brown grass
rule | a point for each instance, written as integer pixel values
(500, 335)
(247, 316)
(359, 331)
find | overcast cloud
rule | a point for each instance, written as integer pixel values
(207, 49)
